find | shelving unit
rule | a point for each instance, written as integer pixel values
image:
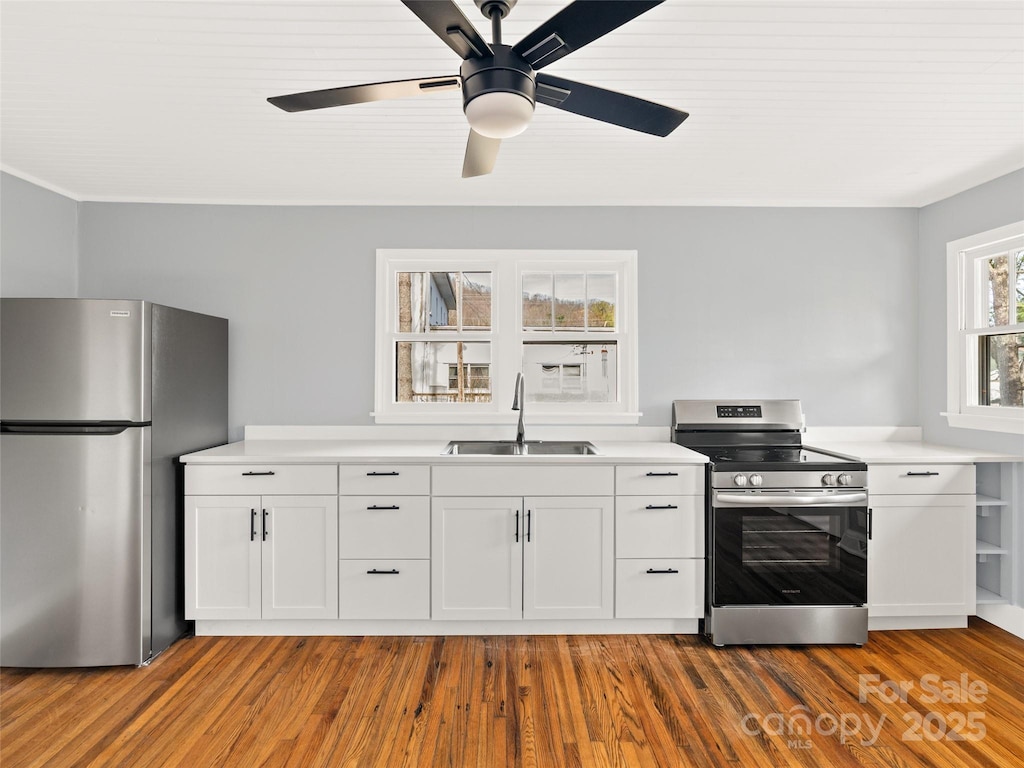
(995, 534)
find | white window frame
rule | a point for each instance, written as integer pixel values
(963, 292)
(507, 335)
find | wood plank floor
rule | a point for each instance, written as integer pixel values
(572, 702)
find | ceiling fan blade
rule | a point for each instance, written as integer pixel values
(360, 94)
(575, 26)
(608, 106)
(448, 22)
(481, 152)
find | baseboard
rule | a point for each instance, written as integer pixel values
(1004, 616)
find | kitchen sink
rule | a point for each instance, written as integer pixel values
(512, 448)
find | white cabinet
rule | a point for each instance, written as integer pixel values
(251, 557)
(659, 542)
(922, 542)
(384, 542)
(522, 557)
(261, 541)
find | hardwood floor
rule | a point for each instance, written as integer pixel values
(576, 701)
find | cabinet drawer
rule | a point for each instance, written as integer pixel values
(659, 589)
(659, 480)
(381, 526)
(384, 589)
(659, 526)
(505, 480)
(399, 479)
(232, 479)
(920, 478)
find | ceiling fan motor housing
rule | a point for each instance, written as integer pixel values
(504, 72)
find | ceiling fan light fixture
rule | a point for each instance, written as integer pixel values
(499, 114)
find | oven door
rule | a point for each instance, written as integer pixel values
(788, 548)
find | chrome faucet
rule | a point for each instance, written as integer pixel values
(519, 404)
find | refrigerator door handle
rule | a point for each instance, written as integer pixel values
(71, 428)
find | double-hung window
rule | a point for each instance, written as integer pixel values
(454, 327)
(986, 330)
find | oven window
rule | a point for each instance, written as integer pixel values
(789, 556)
(789, 541)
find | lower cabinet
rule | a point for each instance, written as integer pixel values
(522, 557)
(921, 556)
(269, 557)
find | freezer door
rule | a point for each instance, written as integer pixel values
(74, 549)
(74, 360)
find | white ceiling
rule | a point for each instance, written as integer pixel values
(884, 103)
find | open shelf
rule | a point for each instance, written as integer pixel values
(986, 597)
(984, 548)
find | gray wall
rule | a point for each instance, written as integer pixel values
(38, 241)
(819, 304)
(985, 207)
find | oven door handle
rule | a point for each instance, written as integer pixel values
(790, 500)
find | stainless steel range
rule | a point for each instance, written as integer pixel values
(787, 526)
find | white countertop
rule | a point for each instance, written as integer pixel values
(312, 451)
(886, 452)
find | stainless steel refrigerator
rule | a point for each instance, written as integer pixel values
(97, 400)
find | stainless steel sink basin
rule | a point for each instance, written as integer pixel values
(512, 448)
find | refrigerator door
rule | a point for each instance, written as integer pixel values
(75, 549)
(74, 360)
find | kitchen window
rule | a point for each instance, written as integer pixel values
(454, 328)
(986, 330)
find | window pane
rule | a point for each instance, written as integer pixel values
(570, 296)
(442, 372)
(997, 293)
(1001, 370)
(601, 300)
(570, 373)
(476, 301)
(537, 300)
(439, 301)
(1018, 260)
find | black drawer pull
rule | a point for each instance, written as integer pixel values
(662, 570)
(382, 474)
(252, 525)
(382, 507)
(266, 528)
(256, 474)
(375, 572)
(661, 506)
(922, 474)
(663, 474)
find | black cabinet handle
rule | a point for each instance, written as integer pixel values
(375, 572)
(266, 527)
(252, 525)
(661, 506)
(382, 474)
(922, 474)
(528, 525)
(382, 507)
(870, 517)
(517, 526)
(662, 570)
(663, 474)
(256, 474)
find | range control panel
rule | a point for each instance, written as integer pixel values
(739, 411)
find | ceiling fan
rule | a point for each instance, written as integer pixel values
(500, 83)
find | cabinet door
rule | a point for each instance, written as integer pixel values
(921, 556)
(300, 557)
(477, 558)
(222, 557)
(568, 559)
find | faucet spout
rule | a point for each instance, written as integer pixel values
(519, 404)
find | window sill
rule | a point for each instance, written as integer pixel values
(590, 419)
(1009, 424)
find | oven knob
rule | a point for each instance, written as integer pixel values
(845, 479)
(828, 479)
(755, 480)
(740, 480)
